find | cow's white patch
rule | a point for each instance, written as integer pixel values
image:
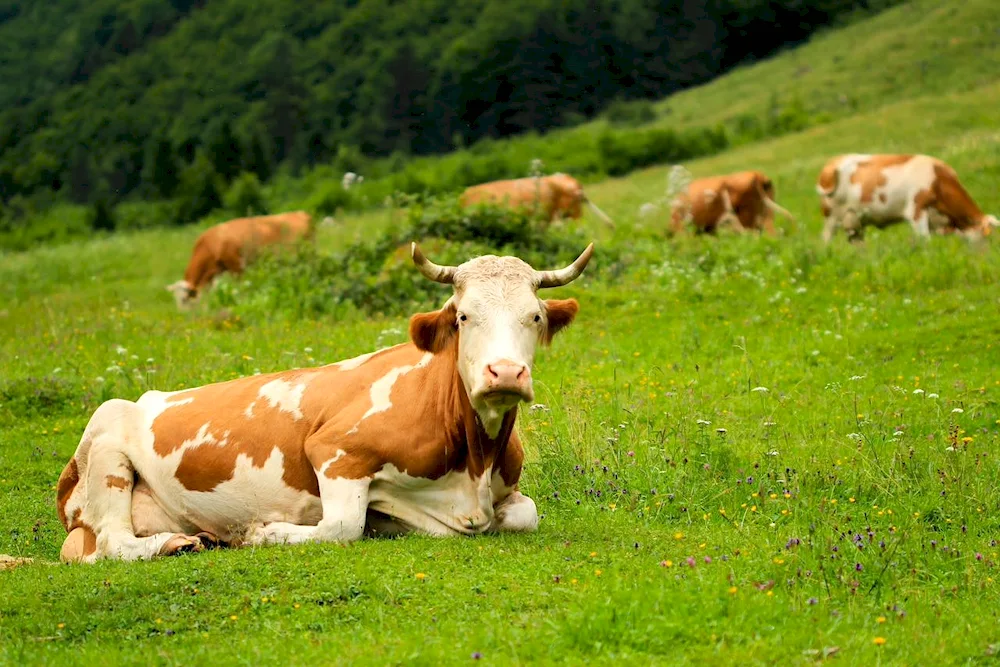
(344, 505)
(453, 503)
(285, 395)
(381, 389)
(340, 453)
(249, 410)
(355, 362)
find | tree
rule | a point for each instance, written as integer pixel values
(223, 149)
(160, 172)
(198, 190)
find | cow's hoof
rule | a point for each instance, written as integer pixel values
(181, 544)
(209, 540)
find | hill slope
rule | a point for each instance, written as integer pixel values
(92, 92)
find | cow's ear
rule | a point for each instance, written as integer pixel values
(560, 314)
(432, 331)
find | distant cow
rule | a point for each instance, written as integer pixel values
(230, 246)
(558, 195)
(419, 437)
(744, 200)
(858, 190)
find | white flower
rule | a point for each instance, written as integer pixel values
(932, 395)
(99, 379)
(855, 378)
(854, 436)
(815, 353)
(703, 422)
(801, 290)
(121, 351)
(770, 423)
(112, 369)
(898, 433)
(773, 452)
(958, 410)
(149, 360)
(647, 209)
(540, 406)
(760, 389)
(721, 431)
(918, 391)
(56, 370)
(307, 350)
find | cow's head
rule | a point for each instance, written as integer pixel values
(498, 320)
(184, 294)
(989, 222)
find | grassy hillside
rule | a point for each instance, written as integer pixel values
(754, 449)
(156, 83)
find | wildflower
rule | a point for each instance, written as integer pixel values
(932, 395)
(918, 391)
(539, 406)
(666, 563)
(121, 351)
(760, 389)
(678, 536)
(476, 655)
(958, 411)
(722, 431)
(858, 567)
(880, 619)
(421, 576)
(708, 560)
(812, 601)
(61, 626)
(732, 590)
(691, 561)
(879, 641)
(703, 422)
(233, 617)
(597, 573)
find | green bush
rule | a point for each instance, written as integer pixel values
(198, 192)
(245, 196)
(378, 276)
(100, 217)
(631, 113)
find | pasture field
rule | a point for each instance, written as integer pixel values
(746, 450)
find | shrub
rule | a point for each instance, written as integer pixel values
(30, 397)
(631, 113)
(100, 217)
(378, 276)
(245, 196)
(198, 192)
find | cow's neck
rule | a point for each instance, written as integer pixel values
(482, 450)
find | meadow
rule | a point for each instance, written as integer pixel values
(745, 450)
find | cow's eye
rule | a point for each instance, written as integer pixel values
(538, 318)
(463, 317)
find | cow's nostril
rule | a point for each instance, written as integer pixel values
(493, 373)
(520, 373)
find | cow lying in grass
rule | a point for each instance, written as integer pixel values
(231, 246)
(554, 196)
(417, 437)
(858, 190)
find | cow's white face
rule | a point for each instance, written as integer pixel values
(184, 295)
(499, 320)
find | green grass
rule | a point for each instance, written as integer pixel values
(881, 414)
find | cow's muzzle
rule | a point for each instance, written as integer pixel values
(506, 381)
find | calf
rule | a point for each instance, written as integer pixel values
(417, 437)
(858, 190)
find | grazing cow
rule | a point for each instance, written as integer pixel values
(744, 200)
(858, 190)
(558, 195)
(230, 246)
(413, 438)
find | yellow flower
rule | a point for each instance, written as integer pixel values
(668, 563)
(597, 573)
(572, 581)
(296, 605)
(420, 575)
(593, 554)
(678, 536)
(850, 500)
(61, 626)
(233, 617)
(732, 590)
(879, 641)
(880, 619)
(779, 561)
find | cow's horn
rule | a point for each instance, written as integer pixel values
(436, 272)
(566, 275)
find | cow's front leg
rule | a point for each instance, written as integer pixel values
(515, 514)
(345, 504)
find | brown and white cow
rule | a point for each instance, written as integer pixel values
(858, 190)
(230, 246)
(417, 437)
(744, 200)
(554, 196)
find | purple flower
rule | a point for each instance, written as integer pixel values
(631, 453)
(979, 556)
(858, 567)
(690, 561)
(477, 655)
(812, 601)
(708, 559)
